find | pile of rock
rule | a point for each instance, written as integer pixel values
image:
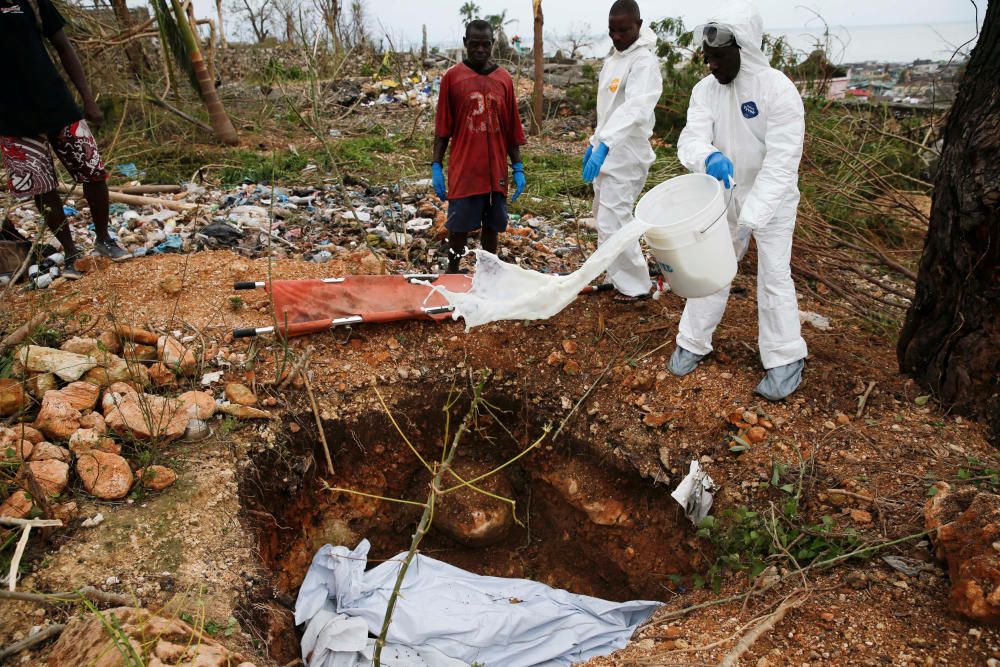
(93, 395)
(965, 525)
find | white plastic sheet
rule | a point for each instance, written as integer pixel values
(502, 291)
(447, 617)
(694, 493)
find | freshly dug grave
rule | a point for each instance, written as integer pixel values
(578, 524)
(632, 430)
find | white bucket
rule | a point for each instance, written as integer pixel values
(690, 235)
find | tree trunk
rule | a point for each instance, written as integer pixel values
(222, 27)
(331, 17)
(217, 117)
(951, 339)
(133, 50)
(538, 53)
(289, 25)
(423, 44)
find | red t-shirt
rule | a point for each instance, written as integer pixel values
(478, 112)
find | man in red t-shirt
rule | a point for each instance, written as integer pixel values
(477, 113)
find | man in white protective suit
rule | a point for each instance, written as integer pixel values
(745, 127)
(619, 155)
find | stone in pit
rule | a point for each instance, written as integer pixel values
(472, 518)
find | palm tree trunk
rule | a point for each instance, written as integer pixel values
(217, 117)
(536, 121)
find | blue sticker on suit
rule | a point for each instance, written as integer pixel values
(749, 109)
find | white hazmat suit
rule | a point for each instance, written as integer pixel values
(628, 90)
(757, 121)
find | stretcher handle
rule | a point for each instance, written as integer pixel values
(295, 329)
(249, 284)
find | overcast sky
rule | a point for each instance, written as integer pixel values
(403, 19)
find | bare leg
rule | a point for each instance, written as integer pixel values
(51, 208)
(490, 240)
(97, 197)
(456, 248)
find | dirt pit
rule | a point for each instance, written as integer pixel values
(576, 522)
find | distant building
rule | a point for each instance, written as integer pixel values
(857, 94)
(831, 89)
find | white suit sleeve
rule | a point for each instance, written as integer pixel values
(642, 91)
(779, 174)
(695, 141)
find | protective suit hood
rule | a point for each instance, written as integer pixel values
(646, 39)
(743, 18)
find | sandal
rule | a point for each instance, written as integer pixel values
(626, 298)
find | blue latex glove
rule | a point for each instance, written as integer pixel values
(586, 157)
(437, 178)
(720, 167)
(594, 164)
(519, 180)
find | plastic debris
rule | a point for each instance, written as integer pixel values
(694, 493)
(129, 170)
(821, 322)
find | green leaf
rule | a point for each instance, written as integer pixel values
(932, 491)
(788, 488)
(922, 400)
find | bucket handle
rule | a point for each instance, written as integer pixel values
(732, 193)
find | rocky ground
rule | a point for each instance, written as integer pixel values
(219, 551)
(203, 551)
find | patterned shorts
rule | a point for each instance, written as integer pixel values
(29, 165)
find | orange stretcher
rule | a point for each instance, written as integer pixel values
(303, 307)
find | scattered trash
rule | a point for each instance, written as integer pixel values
(694, 493)
(211, 378)
(93, 521)
(911, 567)
(129, 170)
(821, 322)
(318, 222)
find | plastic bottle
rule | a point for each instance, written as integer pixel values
(43, 281)
(33, 271)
